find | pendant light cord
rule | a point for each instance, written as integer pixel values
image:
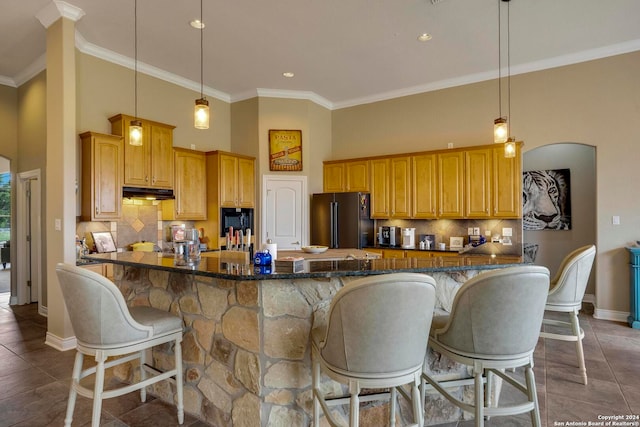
(201, 54)
(135, 53)
(499, 60)
(509, 65)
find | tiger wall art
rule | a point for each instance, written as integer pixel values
(546, 200)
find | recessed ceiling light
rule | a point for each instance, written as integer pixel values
(424, 37)
(197, 24)
(288, 74)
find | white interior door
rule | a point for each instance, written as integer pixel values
(29, 238)
(284, 216)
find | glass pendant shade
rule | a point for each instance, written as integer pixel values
(135, 132)
(510, 148)
(201, 114)
(500, 130)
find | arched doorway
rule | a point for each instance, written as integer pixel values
(553, 245)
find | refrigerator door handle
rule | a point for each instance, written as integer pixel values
(334, 224)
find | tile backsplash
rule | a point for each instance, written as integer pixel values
(141, 220)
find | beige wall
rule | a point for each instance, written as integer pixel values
(594, 103)
(105, 89)
(32, 126)
(554, 245)
(9, 123)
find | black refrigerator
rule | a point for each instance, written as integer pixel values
(341, 220)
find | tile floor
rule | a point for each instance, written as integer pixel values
(34, 379)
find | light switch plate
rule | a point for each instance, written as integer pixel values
(470, 231)
(476, 231)
(507, 232)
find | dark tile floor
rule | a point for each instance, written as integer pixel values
(34, 379)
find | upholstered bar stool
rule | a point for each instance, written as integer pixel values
(105, 327)
(494, 325)
(376, 337)
(565, 296)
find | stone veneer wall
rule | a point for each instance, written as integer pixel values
(246, 349)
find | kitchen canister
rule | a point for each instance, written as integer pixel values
(272, 248)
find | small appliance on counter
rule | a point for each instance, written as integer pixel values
(408, 238)
(389, 236)
(429, 241)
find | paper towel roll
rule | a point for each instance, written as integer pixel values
(272, 248)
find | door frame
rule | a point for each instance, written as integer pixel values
(266, 179)
(23, 296)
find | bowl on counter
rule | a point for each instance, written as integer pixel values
(314, 249)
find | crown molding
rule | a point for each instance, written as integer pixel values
(58, 9)
(555, 62)
(295, 94)
(7, 81)
(35, 68)
(91, 49)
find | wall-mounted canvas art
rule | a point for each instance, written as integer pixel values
(546, 199)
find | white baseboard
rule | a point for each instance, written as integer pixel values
(13, 300)
(616, 316)
(601, 314)
(62, 344)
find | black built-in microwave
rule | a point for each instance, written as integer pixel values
(238, 218)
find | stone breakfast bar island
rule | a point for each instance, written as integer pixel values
(246, 346)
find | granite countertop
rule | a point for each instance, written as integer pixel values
(215, 267)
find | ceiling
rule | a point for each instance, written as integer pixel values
(342, 52)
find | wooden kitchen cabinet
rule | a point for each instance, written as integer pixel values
(333, 177)
(424, 192)
(393, 253)
(400, 187)
(478, 184)
(451, 184)
(189, 187)
(149, 165)
(379, 188)
(507, 183)
(236, 180)
(230, 183)
(102, 171)
(342, 176)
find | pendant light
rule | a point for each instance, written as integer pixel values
(201, 111)
(500, 125)
(135, 126)
(501, 130)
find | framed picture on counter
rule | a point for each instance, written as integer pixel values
(285, 150)
(103, 241)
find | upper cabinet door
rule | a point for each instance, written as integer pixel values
(333, 177)
(424, 194)
(161, 159)
(451, 184)
(357, 175)
(246, 183)
(478, 183)
(102, 170)
(507, 183)
(228, 180)
(400, 187)
(190, 188)
(379, 188)
(136, 158)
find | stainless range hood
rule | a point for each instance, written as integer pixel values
(147, 193)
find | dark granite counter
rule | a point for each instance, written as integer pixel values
(219, 268)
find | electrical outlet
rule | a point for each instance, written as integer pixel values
(487, 232)
(476, 231)
(615, 220)
(193, 146)
(57, 224)
(507, 232)
(450, 145)
(470, 231)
